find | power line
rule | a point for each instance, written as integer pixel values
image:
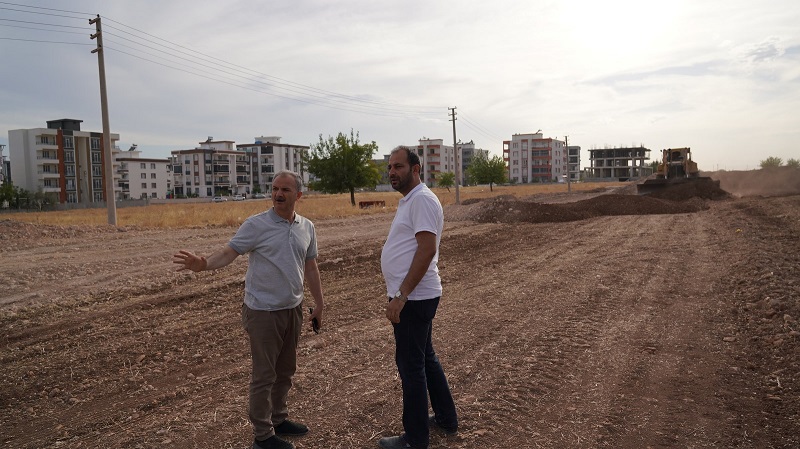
(320, 100)
(47, 24)
(41, 29)
(363, 111)
(295, 85)
(49, 9)
(232, 74)
(42, 41)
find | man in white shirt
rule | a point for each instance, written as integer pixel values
(409, 265)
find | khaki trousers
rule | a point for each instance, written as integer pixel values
(273, 346)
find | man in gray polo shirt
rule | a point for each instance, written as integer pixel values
(282, 248)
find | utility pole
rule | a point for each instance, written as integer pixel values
(455, 154)
(109, 163)
(569, 175)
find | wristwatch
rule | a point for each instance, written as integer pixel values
(401, 296)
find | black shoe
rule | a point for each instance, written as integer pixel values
(290, 428)
(272, 442)
(432, 422)
(397, 442)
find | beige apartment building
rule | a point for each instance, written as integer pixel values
(534, 158)
(223, 168)
(435, 158)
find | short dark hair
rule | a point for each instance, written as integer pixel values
(411, 156)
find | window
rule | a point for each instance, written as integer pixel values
(153, 185)
(154, 195)
(153, 166)
(142, 165)
(96, 159)
(72, 198)
(68, 142)
(69, 156)
(143, 175)
(144, 185)
(69, 170)
(97, 184)
(96, 170)
(94, 143)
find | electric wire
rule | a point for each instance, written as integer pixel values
(239, 77)
(210, 58)
(287, 89)
(49, 9)
(42, 29)
(43, 41)
(370, 111)
(482, 130)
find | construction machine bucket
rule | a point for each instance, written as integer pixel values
(651, 185)
(682, 188)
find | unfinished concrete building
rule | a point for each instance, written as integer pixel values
(618, 164)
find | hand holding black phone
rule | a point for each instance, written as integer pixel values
(314, 322)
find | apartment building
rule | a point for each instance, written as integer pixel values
(435, 158)
(62, 160)
(618, 164)
(534, 158)
(4, 166)
(269, 156)
(221, 167)
(574, 163)
(468, 152)
(142, 178)
(212, 168)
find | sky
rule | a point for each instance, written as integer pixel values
(721, 77)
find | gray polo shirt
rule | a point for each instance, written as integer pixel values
(277, 251)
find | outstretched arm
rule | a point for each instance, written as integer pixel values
(191, 261)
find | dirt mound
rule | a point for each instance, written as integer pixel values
(509, 210)
(704, 187)
(766, 182)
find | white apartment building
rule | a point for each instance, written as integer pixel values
(435, 158)
(220, 167)
(269, 156)
(142, 178)
(61, 160)
(534, 158)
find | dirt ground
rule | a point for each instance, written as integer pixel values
(599, 320)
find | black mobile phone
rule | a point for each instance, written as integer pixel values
(314, 322)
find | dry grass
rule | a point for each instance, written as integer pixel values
(313, 206)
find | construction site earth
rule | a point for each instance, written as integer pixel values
(574, 320)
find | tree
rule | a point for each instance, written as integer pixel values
(342, 165)
(483, 170)
(794, 163)
(771, 161)
(447, 180)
